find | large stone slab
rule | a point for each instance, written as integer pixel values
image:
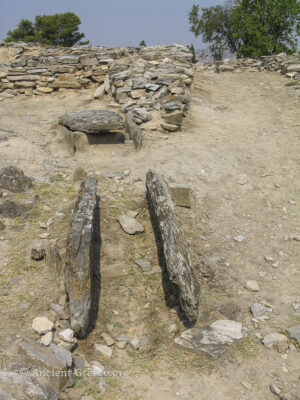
(44, 360)
(14, 386)
(13, 179)
(93, 121)
(213, 339)
(170, 237)
(80, 274)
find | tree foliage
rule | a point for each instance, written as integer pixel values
(56, 29)
(142, 43)
(248, 28)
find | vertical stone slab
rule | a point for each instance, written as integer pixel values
(81, 257)
(171, 239)
(133, 130)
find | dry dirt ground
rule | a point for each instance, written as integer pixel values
(239, 151)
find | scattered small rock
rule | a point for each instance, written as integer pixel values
(108, 340)
(275, 389)
(294, 332)
(67, 335)
(38, 250)
(42, 325)
(272, 338)
(135, 343)
(104, 350)
(47, 338)
(143, 264)
(253, 286)
(239, 238)
(258, 310)
(130, 225)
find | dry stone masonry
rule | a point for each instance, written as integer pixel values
(144, 81)
(287, 65)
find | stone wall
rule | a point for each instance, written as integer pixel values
(287, 65)
(142, 80)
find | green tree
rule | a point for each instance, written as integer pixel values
(56, 29)
(250, 28)
(24, 32)
(143, 43)
(192, 49)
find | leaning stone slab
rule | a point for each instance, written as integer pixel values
(133, 130)
(181, 194)
(13, 179)
(79, 273)
(75, 141)
(170, 237)
(214, 339)
(14, 386)
(44, 360)
(93, 121)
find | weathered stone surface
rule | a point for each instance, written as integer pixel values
(214, 339)
(18, 387)
(181, 194)
(133, 130)
(174, 117)
(45, 360)
(80, 274)
(62, 354)
(169, 127)
(13, 179)
(54, 262)
(130, 225)
(99, 92)
(11, 209)
(104, 350)
(140, 115)
(42, 325)
(93, 121)
(75, 141)
(169, 234)
(143, 264)
(38, 250)
(294, 332)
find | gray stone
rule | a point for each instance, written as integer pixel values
(139, 83)
(19, 387)
(294, 332)
(258, 310)
(67, 335)
(93, 121)
(38, 250)
(54, 262)
(104, 350)
(99, 92)
(271, 338)
(45, 360)
(253, 286)
(181, 194)
(11, 209)
(62, 354)
(174, 117)
(140, 115)
(239, 238)
(152, 86)
(80, 270)
(75, 141)
(13, 179)
(176, 256)
(275, 389)
(133, 130)
(169, 127)
(135, 343)
(122, 338)
(214, 339)
(47, 338)
(143, 264)
(130, 225)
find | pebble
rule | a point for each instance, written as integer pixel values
(269, 259)
(47, 338)
(271, 338)
(296, 306)
(97, 368)
(42, 325)
(143, 264)
(294, 332)
(173, 329)
(253, 286)
(67, 335)
(246, 385)
(258, 310)
(108, 340)
(122, 337)
(275, 389)
(239, 238)
(104, 350)
(135, 343)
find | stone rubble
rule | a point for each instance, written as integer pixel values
(139, 79)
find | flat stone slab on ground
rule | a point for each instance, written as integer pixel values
(214, 339)
(130, 225)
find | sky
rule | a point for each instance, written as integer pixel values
(114, 22)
